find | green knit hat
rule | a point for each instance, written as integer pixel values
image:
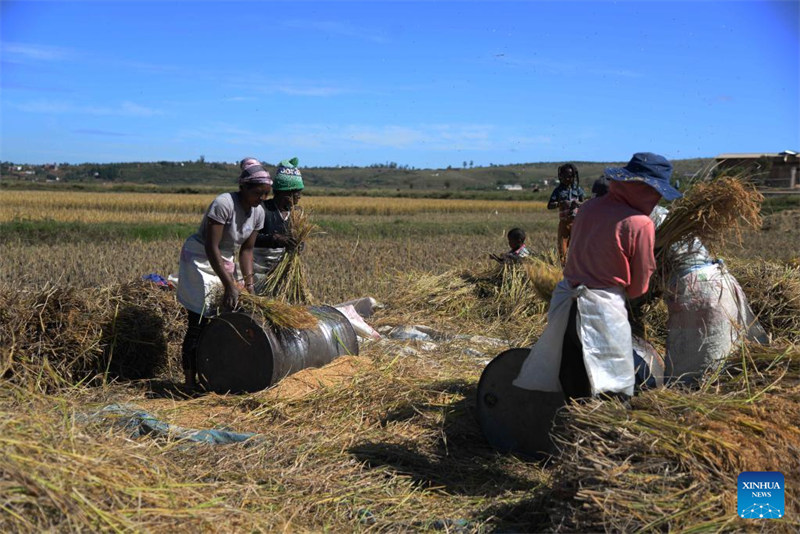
(288, 177)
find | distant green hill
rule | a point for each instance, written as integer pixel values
(391, 177)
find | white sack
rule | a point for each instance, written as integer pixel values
(708, 314)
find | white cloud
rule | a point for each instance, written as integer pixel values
(435, 137)
(133, 109)
(54, 107)
(25, 51)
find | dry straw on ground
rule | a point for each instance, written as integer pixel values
(390, 443)
(671, 463)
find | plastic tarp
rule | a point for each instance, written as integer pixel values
(140, 423)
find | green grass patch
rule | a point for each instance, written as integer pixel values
(38, 232)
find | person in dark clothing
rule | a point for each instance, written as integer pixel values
(275, 238)
(567, 197)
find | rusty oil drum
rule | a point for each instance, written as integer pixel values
(238, 352)
(515, 420)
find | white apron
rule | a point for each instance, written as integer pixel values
(197, 281)
(604, 331)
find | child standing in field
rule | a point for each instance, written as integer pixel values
(516, 242)
(567, 197)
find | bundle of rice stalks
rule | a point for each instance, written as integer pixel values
(773, 291)
(548, 256)
(672, 462)
(711, 211)
(448, 294)
(522, 288)
(287, 281)
(277, 312)
(544, 275)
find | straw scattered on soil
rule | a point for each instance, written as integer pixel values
(382, 441)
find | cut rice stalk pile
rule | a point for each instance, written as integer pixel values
(773, 291)
(671, 462)
(499, 291)
(287, 281)
(49, 338)
(711, 211)
(508, 300)
(58, 337)
(142, 322)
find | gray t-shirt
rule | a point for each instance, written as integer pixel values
(239, 221)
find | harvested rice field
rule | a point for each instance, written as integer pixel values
(97, 434)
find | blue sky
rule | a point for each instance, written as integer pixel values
(426, 84)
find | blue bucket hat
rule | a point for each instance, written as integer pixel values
(652, 169)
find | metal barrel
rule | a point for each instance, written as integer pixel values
(238, 352)
(515, 420)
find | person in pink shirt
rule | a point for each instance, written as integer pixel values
(586, 348)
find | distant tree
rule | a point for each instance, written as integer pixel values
(201, 159)
(465, 164)
(470, 164)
